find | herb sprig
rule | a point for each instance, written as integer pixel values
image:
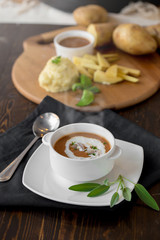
(88, 89)
(56, 60)
(96, 189)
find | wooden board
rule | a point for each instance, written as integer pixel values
(38, 49)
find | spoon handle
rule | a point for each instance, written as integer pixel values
(7, 173)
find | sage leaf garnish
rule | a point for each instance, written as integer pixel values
(126, 194)
(114, 199)
(84, 187)
(144, 195)
(98, 191)
(56, 60)
(94, 89)
(85, 81)
(88, 89)
(106, 182)
(86, 99)
(76, 86)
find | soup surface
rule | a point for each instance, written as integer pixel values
(81, 145)
(74, 42)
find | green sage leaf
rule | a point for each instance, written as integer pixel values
(85, 81)
(106, 182)
(98, 191)
(84, 187)
(114, 199)
(56, 60)
(127, 194)
(76, 86)
(145, 196)
(86, 99)
(94, 89)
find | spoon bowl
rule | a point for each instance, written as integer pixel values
(46, 122)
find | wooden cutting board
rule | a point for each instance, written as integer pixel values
(38, 49)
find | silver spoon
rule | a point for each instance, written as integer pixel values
(43, 124)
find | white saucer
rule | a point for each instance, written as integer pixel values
(40, 179)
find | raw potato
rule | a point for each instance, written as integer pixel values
(154, 31)
(102, 33)
(90, 14)
(134, 39)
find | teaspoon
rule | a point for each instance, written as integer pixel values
(47, 122)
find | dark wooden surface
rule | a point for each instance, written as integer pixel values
(140, 222)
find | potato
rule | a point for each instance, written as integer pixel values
(111, 57)
(112, 72)
(89, 56)
(58, 76)
(102, 33)
(85, 15)
(98, 68)
(101, 77)
(86, 63)
(102, 61)
(126, 70)
(128, 78)
(134, 39)
(115, 74)
(154, 31)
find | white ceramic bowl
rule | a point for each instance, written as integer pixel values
(77, 169)
(78, 51)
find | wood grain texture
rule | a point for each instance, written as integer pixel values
(39, 49)
(139, 223)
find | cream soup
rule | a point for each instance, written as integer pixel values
(81, 145)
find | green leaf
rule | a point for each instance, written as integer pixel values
(56, 60)
(144, 195)
(114, 199)
(106, 182)
(98, 191)
(85, 81)
(126, 194)
(84, 187)
(76, 86)
(94, 89)
(86, 99)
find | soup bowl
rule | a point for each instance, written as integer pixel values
(82, 169)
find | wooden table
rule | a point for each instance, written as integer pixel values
(25, 224)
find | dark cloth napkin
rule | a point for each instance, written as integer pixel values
(12, 142)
